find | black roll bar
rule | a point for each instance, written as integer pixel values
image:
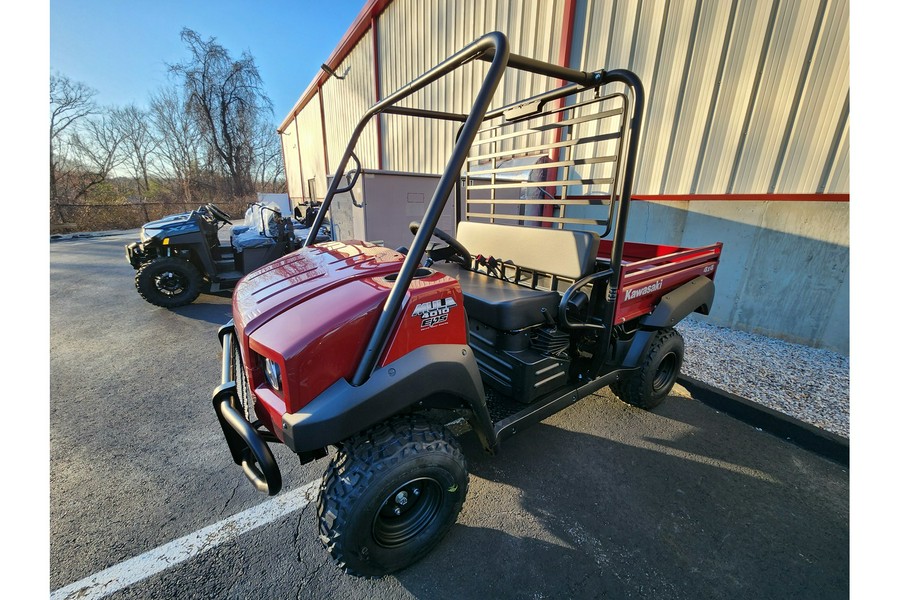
(633, 82)
(424, 113)
(493, 48)
(489, 41)
(445, 185)
(539, 67)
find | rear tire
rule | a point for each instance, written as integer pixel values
(168, 282)
(651, 383)
(390, 495)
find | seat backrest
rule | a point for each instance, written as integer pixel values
(561, 252)
(268, 217)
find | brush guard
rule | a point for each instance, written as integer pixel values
(246, 441)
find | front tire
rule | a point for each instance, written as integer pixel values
(651, 383)
(168, 282)
(390, 495)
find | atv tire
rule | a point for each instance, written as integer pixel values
(168, 282)
(648, 386)
(390, 495)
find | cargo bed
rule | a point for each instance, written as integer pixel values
(649, 271)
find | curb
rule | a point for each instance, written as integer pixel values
(60, 237)
(809, 437)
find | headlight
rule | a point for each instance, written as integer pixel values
(148, 234)
(273, 373)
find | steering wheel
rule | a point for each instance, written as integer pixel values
(218, 212)
(457, 248)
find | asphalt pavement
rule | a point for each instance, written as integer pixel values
(602, 500)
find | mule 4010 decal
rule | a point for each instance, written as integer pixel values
(434, 313)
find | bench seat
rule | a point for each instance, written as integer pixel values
(501, 304)
(508, 306)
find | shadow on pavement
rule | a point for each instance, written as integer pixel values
(209, 308)
(717, 510)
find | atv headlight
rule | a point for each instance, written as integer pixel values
(273, 373)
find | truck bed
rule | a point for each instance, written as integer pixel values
(650, 271)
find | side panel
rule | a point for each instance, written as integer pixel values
(433, 314)
(644, 284)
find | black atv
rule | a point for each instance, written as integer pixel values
(180, 256)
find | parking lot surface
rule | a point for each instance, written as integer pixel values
(602, 500)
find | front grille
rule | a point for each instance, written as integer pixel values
(239, 376)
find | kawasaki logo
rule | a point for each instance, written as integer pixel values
(637, 292)
(435, 312)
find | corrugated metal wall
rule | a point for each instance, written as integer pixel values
(821, 107)
(312, 148)
(290, 150)
(346, 100)
(760, 86)
(749, 96)
(409, 45)
(744, 97)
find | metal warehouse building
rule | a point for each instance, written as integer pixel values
(745, 140)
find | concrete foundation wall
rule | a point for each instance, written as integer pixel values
(785, 265)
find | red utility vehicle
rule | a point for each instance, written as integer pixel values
(524, 311)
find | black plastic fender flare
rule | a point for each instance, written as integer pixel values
(695, 295)
(342, 410)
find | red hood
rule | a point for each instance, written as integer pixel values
(301, 275)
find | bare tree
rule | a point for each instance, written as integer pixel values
(227, 99)
(137, 144)
(70, 103)
(177, 141)
(95, 154)
(268, 172)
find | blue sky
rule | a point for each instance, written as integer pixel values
(121, 47)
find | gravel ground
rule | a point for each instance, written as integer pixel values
(809, 384)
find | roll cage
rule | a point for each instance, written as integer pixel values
(609, 124)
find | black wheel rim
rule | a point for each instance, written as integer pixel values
(407, 511)
(665, 374)
(170, 283)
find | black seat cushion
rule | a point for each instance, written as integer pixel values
(500, 304)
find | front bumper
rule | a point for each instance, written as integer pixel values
(134, 253)
(246, 441)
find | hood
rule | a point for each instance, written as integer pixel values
(171, 225)
(179, 218)
(276, 287)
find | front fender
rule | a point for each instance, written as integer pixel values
(342, 410)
